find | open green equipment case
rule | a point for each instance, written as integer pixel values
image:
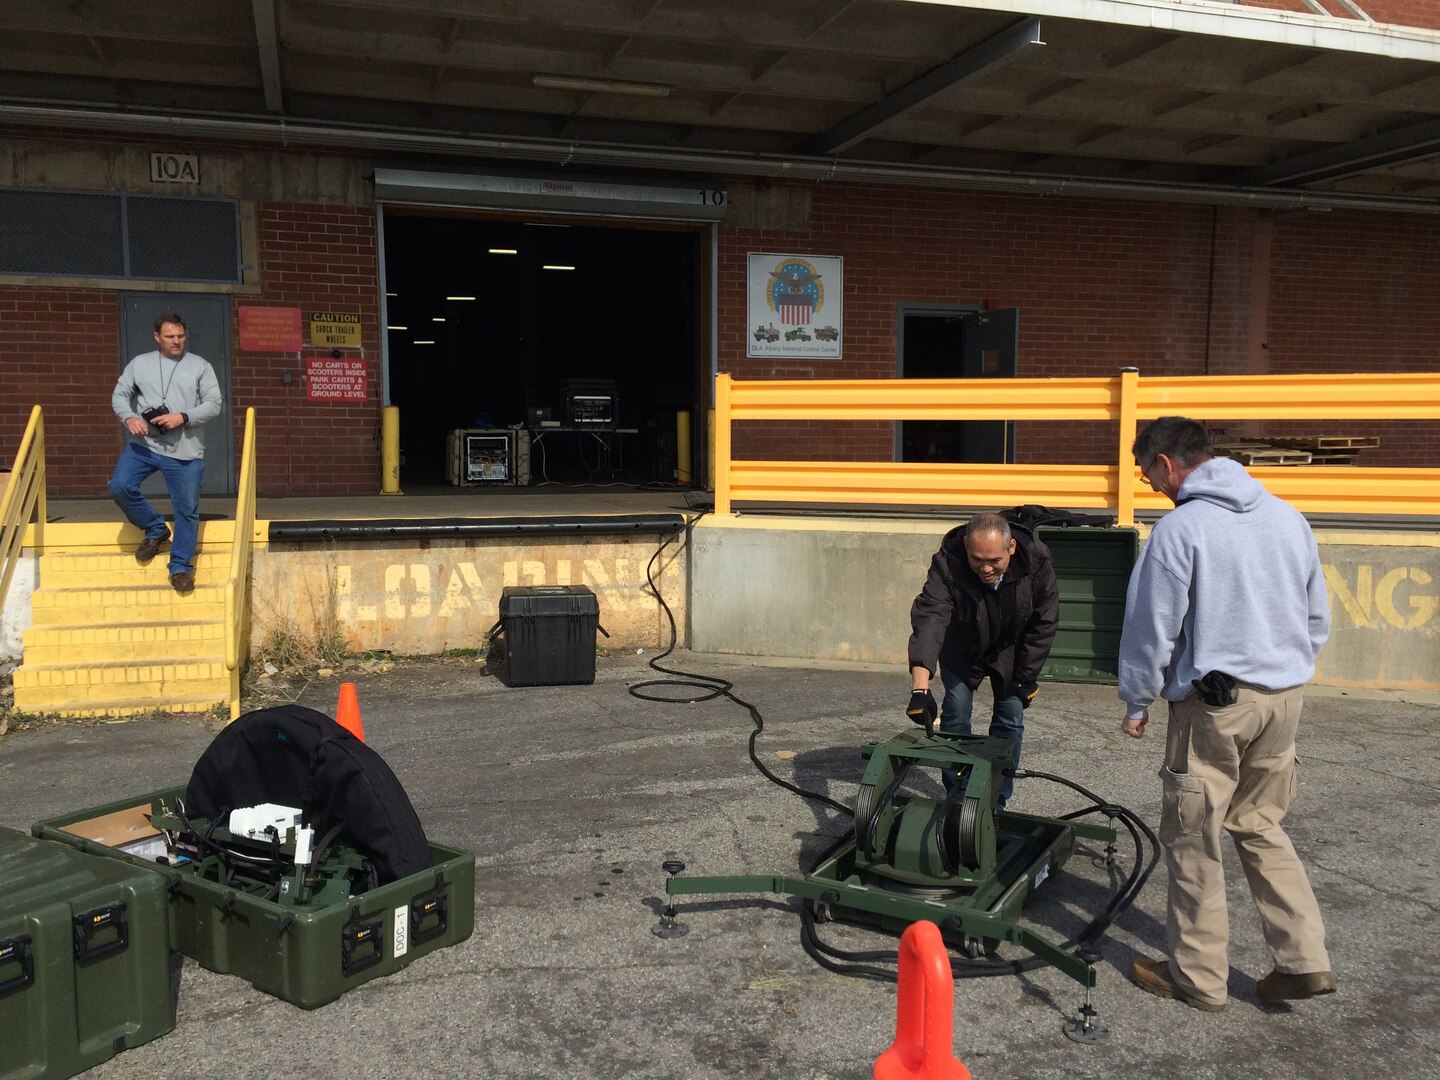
(84, 959)
(308, 949)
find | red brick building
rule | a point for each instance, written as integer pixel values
(1137, 229)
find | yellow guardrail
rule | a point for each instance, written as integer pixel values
(1125, 400)
(237, 609)
(24, 497)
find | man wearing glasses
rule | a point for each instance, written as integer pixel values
(1224, 617)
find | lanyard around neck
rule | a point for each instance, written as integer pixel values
(164, 382)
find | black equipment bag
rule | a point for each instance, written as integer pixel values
(294, 756)
(1032, 516)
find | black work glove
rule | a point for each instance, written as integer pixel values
(922, 709)
(1026, 693)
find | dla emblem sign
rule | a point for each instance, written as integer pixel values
(794, 305)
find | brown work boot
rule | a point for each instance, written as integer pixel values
(1278, 986)
(183, 581)
(150, 546)
(1153, 976)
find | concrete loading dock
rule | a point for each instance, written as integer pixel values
(847, 580)
(572, 796)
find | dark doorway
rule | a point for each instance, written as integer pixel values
(500, 316)
(957, 343)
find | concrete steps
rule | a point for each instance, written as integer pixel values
(83, 569)
(110, 637)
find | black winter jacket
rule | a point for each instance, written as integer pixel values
(952, 624)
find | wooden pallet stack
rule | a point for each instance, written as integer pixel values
(1255, 452)
(1298, 449)
(1329, 449)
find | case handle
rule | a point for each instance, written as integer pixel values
(428, 906)
(360, 944)
(17, 950)
(93, 923)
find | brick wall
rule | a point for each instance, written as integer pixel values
(1099, 285)
(1357, 292)
(1420, 13)
(316, 258)
(59, 348)
(1172, 290)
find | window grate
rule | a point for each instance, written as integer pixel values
(61, 233)
(118, 235)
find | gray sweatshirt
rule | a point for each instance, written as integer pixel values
(1230, 581)
(187, 385)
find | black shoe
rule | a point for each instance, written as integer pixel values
(183, 581)
(150, 546)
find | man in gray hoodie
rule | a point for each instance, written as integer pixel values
(163, 399)
(1225, 615)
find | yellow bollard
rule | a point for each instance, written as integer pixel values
(682, 448)
(390, 450)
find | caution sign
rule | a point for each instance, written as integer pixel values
(340, 328)
(327, 379)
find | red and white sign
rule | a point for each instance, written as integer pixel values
(336, 380)
(270, 329)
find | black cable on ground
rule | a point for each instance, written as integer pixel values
(855, 964)
(710, 687)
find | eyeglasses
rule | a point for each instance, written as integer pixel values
(1145, 474)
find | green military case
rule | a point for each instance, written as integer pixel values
(1092, 570)
(84, 959)
(306, 956)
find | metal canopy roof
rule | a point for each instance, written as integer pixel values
(1166, 98)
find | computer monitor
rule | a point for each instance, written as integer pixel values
(591, 402)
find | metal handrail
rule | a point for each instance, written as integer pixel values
(236, 609)
(24, 496)
(1124, 399)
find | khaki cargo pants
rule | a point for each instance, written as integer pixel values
(1233, 767)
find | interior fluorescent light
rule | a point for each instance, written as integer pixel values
(422, 343)
(504, 251)
(392, 294)
(397, 328)
(603, 86)
(556, 267)
(459, 298)
(437, 318)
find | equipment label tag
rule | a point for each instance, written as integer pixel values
(402, 930)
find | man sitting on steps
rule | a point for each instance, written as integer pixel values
(164, 399)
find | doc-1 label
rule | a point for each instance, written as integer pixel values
(402, 930)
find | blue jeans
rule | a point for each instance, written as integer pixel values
(1007, 720)
(183, 480)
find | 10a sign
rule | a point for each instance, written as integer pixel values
(175, 168)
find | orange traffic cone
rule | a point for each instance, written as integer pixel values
(348, 713)
(924, 1028)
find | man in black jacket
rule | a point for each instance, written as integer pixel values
(988, 610)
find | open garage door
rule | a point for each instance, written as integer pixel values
(577, 316)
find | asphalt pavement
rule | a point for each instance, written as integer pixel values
(572, 796)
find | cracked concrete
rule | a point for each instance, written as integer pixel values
(571, 797)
